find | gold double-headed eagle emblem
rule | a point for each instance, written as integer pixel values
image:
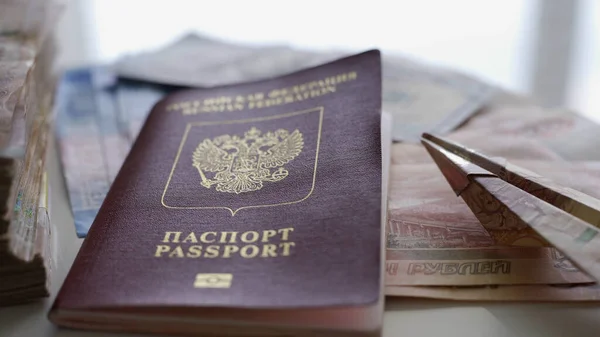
(243, 164)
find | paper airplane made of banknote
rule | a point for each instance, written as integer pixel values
(507, 199)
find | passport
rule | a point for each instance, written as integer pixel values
(248, 209)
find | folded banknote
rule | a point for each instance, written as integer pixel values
(509, 199)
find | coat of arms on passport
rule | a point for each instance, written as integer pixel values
(248, 163)
(243, 164)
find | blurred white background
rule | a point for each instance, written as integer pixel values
(549, 49)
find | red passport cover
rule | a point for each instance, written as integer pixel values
(257, 195)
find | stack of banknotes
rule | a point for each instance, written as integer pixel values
(25, 99)
(436, 246)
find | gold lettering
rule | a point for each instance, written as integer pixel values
(212, 251)
(224, 237)
(204, 237)
(177, 252)
(274, 93)
(315, 93)
(194, 251)
(256, 97)
(191, 238)
(276, 101)
(269, 233)
(244, 251)
(168, 235)
(161, 249)
(274, 97)
(229, 249)
(254, 238)
(285, 233)
(286, 247)
(269, 251)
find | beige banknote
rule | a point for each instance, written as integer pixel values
(27, 180)
(12, 78)
(33, 19)
(559, 133)
(507, 293)
(433, 238)
(13, 48)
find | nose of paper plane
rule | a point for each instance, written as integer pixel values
(451, 166)
(455, 169)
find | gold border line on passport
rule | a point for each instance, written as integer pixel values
(240, 121)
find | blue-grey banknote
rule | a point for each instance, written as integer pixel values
(98, 118)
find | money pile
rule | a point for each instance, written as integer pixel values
(25, 99)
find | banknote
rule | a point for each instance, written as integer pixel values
(81, 146)
(33, 19)
(506, 293)
(564, 134)
(433, 238)
(192, 60)
(420, 98)
(98, 119)
(24, 220)
(114, 143)
(427, 99)
(14, 48)
(12, 79)
(135, 100)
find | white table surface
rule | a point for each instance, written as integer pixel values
(403, 317)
